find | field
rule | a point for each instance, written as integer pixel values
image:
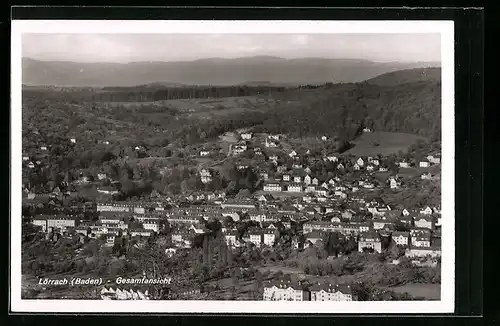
(389, 143)
(208, 108)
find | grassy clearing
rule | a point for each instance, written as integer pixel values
(389, 143)
(427, 291)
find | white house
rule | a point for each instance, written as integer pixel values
(404, 164)
(320, 191)
(405, 212)
(324, 138)
(332, 158)
(238, 149)
(284, 290)
(340, 166)
(371, 241)
(330, 292)
(420, 238)
(269, 237)
(360, 162)
(379, 224)
(40, 221)
(230, 238)
(286, 177)
(206, 179)
(264, 175)
(423, 252)
(401, 238)
(426, 176)
(307, 180)
(426, 211)
(433, 159)
(297, 179)
(275, 137)
(292, 154)
(424, 222)
(152, 225)
(356, 167)
(204, 152)
(294, 187)
(256, 238)
(315, 181)
(420, 241)
(246, 136)
(270, 144)
(393, 183)
(73, 140)
(272, 187)
(310, 188)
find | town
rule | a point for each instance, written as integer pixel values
(304, 198)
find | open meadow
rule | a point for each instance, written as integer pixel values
(388, 143)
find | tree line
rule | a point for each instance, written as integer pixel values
(151, 93)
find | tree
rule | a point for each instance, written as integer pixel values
(333, 243)
(127, 185)
(228, 222)
(401, 227)
(351, 246)
(231, 187)
(244, 193)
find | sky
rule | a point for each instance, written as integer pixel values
(185, 47)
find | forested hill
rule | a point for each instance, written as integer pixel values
(407, 76)
(208, 72)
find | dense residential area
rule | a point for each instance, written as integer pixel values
(325, 192)
(321, 208)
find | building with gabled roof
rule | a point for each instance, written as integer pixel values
(369, 240)
(331, 292)
(285, 289)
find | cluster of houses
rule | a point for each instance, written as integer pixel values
(312, 211)
(286, 289)
(300, 178)
(369, 223)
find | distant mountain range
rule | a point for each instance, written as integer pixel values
(260, 70)
(407, 76)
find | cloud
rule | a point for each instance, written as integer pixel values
(300, 39)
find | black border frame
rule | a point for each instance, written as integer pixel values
(469, 88)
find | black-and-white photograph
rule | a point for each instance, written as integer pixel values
(233, 161)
